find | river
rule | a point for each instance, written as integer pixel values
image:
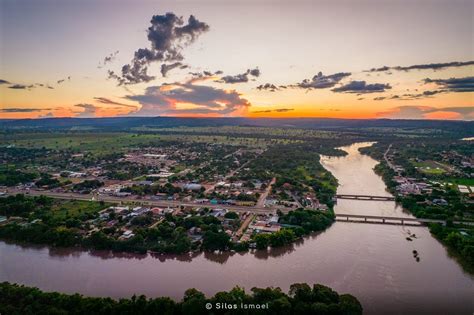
(374, 262)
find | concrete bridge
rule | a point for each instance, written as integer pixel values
(359, 218)
(365, 197)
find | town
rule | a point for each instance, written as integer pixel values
(221, 192)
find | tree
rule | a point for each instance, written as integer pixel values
(215, 241)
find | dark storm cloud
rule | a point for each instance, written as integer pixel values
(429, 66)
(205, 100)
(22, 110)
(168, 35)
(465, 84)
(267, 87)
(240, 78)
(361, 87)
(320, 81)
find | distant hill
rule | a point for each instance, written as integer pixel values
(126, 123)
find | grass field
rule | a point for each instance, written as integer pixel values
(104, 143)
(461, 181)
(74, 208)
(431, 167)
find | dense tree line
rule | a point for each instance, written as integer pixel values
(308, 220)
(463, 246)
(301, 299)
(11, 176)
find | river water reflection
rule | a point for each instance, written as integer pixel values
(373, 262)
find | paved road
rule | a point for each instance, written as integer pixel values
(156, 203)
(264, 195)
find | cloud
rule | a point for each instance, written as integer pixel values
(4, 81)
(240, 78)
(22, 110)
(188, 98)
(21, 87)
(107, 101)
(206, 74)
(278, 110)
(108, 59)
(410, 96)
(47, 86)
(320, 81)
(465, 84)
(165, 68)
(89, 110)
(361, 87)
(268, 87)
(47, 115)
(168, 35)
(63, 80)
(429, 66)
(427, 112)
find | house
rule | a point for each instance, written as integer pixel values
(273, 219)
(157, 211)
(440, 202)
(265, 227)
(218, 212)
(119, 209)
(127, 234)
(192, 187)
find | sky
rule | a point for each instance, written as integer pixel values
(409, 59)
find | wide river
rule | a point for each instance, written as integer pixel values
(374, 262)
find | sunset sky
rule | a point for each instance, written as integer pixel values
(254, 58)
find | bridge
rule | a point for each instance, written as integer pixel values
(365, 197)
(359, 218)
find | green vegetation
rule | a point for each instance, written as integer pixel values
(301, 299)
(11, 176)
(460, 241)
(75, 209)
(420, 161)
(431, 167)
(310, 221)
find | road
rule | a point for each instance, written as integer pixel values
(232, 173)
(148, 202)
(386, 158)
(264, 195)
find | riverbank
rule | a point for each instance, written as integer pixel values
(301, 299)
(37, 221)
(451, 236)
(373, 262)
